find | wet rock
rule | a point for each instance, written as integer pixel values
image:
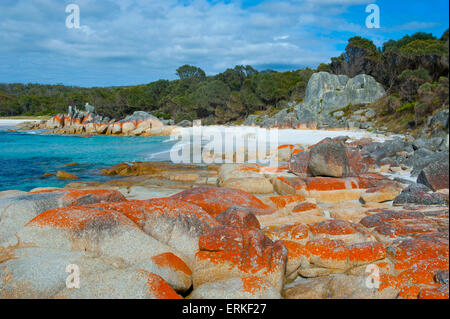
(66, 175)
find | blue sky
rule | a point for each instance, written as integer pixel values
(131, 42)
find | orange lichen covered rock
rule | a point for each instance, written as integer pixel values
(369, 180)
(381, 192)
(298, 255)
(171, 268)
(216, 200)
(74, 197)
(172, 261)
(289, 185)
(176, 223)
(297, 232)
(18, 209)
(398, 228)
(333, 227)
(283, 201)
(79, 219)
(121, 284)
(364, 253)
(340, 229)
(425, 247)
(98, 230)
(304, 207)
(239, 217)
(330, 183)
(328, 253)
(434, 293)
(229, 251)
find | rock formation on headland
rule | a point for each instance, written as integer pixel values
(325, 93)
(89, 122)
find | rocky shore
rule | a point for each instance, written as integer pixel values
(87, 122)
(343, 218)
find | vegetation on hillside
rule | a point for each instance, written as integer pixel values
(414, 71)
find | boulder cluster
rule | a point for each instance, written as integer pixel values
(89, 122)
(333, 220)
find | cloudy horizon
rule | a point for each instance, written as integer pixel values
(133, 42)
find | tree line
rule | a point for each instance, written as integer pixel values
(413, 70)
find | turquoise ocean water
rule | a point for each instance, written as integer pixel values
(26, 156)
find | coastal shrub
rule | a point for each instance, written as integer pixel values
(405, 107)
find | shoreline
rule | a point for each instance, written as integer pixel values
(291, 231)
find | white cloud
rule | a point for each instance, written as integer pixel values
(134, 41)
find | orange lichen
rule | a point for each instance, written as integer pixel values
(282, 201)
(75, 197)
(303, 207)
(295, 249)
(296, 183)
(413, 251)
(434, 293)
(293, 232)
(333, 227)
(248, 249)
(139, 211)
(158, 287)
(366, 252)
(172, 261)
(253, 284)
(290, 146)
(328, 249)
(240, 217)
(215, 200)
(77, 218)
(330, 183)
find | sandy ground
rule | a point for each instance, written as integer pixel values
(12, 123)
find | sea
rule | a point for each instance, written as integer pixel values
(25, 156)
